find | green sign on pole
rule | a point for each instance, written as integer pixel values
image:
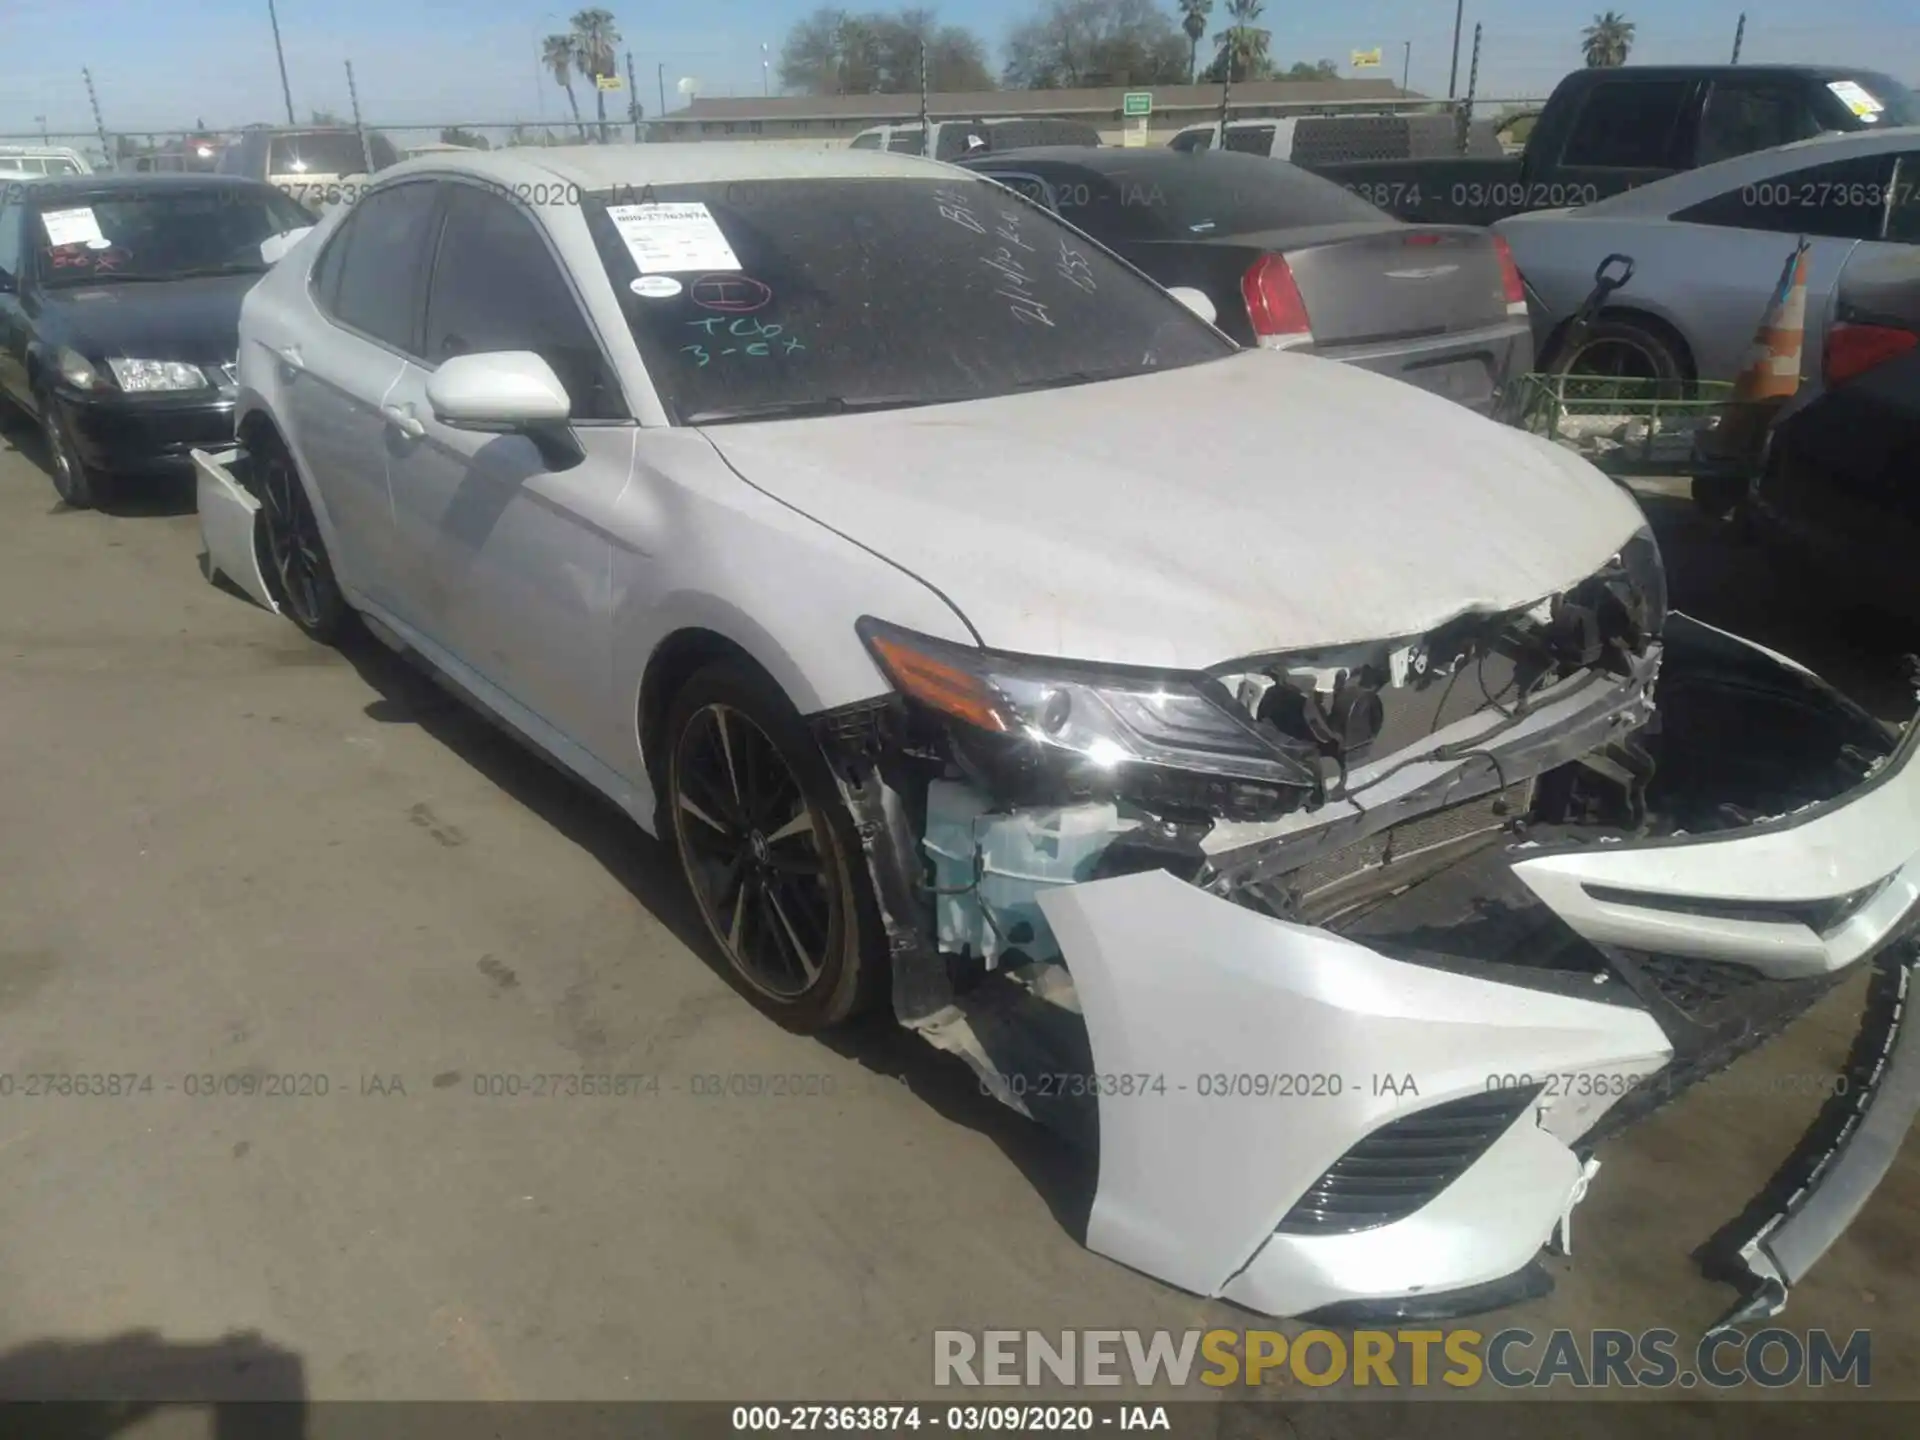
(1137, 103)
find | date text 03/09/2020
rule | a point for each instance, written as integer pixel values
(957, 1419)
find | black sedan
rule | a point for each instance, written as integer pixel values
(1287, 259)
(1842, 478)
(120, 311)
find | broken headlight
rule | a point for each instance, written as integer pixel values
(1175, 742)
(1647, 575)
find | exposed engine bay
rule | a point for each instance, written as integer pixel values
(1579, 807)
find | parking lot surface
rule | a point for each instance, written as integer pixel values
(321, 922)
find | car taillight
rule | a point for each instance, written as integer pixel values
(1511, 285)
(1855, 349)
(1274, 305)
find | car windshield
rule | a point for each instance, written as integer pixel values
(170, 234)
(1203, 195)
(768, 297)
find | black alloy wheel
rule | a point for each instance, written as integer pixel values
(301, 572)
(766, 849)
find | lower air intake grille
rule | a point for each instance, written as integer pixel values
(1401, 1167)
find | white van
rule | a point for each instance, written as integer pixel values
(956, 139)
(44, 160)
(1333, 139)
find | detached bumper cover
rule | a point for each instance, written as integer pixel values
(229, 525)
(1842, 1158)
(1278, 1047)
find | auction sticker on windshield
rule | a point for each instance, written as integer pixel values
(72, 227)
(672, 237)
(1856, 98)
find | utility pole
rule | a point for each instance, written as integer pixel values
(1739, 34)
(353, 96)
(99, 126)
(1406, 64)
(1453, 76)
(632, 96)
(280, 55)
(661, 75)
(926, 130)
(766, 72)
(1473, 86)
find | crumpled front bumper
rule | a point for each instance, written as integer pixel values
(1295, 1121)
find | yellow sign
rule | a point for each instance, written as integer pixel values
(612, 82)
(1366, 59)
(1134, 137)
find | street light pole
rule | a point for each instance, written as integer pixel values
(278, 54)
(1406, 64)
(661, 75)
(766, 73)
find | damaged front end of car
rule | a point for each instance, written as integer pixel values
(1347, 960)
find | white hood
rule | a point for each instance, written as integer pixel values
(1189, 517)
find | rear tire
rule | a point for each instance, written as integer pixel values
(299, 569)
(768, 850)
(1621, 349)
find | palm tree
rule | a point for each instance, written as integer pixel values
(595, 38)
(1193, 20)
(1606, 41)
(556, 53)
(1243, 46)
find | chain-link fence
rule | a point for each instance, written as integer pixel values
(200, 149)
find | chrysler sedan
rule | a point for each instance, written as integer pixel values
(1248, 764)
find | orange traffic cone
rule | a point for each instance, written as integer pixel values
(1771, 375)
(1773, 363)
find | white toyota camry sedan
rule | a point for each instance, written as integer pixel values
(1283, 780)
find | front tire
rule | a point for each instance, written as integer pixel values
(299, 568)
(767, 849)
(78, 487)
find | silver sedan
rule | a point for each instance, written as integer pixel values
(1708, 248)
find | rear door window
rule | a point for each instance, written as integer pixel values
(381, 264)
(1250, 139)
(1742, 116)
(1192, 140)
(1628, 125)
(1903, 208)
(1841, 200)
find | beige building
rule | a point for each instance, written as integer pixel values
(831, 120)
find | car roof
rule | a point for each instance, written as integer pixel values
(1123, 160)
(609, 167)
(1676, 192)
(60, 187)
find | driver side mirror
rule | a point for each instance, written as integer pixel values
(507, 392)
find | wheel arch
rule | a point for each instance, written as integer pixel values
(1649, 320)
(676, 659)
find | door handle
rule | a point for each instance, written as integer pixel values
(401, 418)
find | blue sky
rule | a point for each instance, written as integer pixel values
(475, 61)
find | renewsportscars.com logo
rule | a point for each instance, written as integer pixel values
(1458, 1358)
